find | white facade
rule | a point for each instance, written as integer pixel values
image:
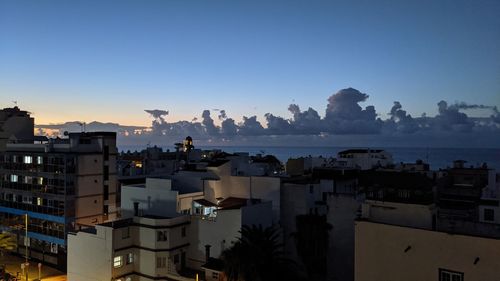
(156, 197)
(222, 231)
(364, 159)
(141, 248)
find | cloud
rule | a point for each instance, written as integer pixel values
(344, 116)
(250, 127)
(208, 122)
(400, 121)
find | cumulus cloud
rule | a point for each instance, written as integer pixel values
(250, 127)
(208, 122)
(343, 116)
(400, 120)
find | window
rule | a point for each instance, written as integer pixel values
(130, 258)
(39, 201)
(13, 178)
(215, 275)
(14, 158)
(39, 180)
(53, 248)
(106, 173)
(126, 233)
(176, 258)
(183, 231)
(28, 180)
(161, 235)
(118, 261)
(106, 192)
(105, 209)
(28, 160)
(489, 214)
(311, 189)
(161, 262)
(448, 275)
(39, 160)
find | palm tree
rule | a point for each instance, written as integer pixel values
(258, 256)
(7, 242)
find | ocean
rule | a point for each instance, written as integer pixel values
(436, 157)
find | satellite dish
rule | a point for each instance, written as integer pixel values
(66, 133)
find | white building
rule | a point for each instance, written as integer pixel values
(138, 248)
(364, 159)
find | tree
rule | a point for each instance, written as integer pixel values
(258, 256)
(7, 242)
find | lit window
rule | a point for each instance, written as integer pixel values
(28, 160)
(13, 178)
(14, 159)
(448, 275)
(39, 160)
(130, 258)
(53, 248)
(118, 261)
(39, 201)
(28, 180)
(39, 180)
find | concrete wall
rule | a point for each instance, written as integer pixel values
(342, 212)
(156, 198)
(380, 254)
(90, 256)
(412, 215)
(219, 233)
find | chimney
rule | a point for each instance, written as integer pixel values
(136, 209)
(207, 252)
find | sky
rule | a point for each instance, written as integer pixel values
(110, 60)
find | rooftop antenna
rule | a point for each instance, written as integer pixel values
(82, 125)
(15, 102)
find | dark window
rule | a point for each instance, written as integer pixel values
(311, 189)
(176, 258)
(183, 231)
(106, 153)
(489, 214)
(449, 275)
(106, 173)
(161, 235)
(106, 192)
(105, 209)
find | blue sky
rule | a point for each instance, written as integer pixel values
(110, 60)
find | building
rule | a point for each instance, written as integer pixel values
(448, 240)
(61, 185)
(391, 253)
(138, 248)
(364, 159)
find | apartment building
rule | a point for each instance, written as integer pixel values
(60, 185)
(447, 237)
(134, 249)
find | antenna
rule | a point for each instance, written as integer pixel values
(82, 125)
(15, 102)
